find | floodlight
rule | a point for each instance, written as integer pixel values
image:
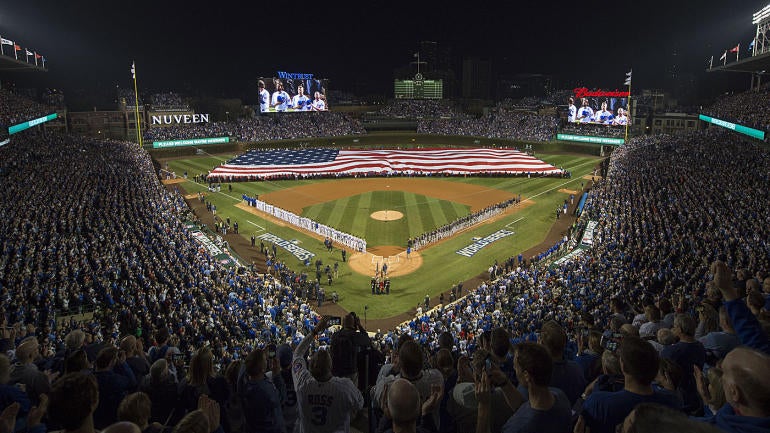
(761, 15)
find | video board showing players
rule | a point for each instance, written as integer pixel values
(291, 93)
(598, 108)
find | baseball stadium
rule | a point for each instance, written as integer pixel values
(484, 251)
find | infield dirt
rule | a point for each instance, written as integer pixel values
(297, 198)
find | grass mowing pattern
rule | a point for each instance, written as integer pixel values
(352, 215)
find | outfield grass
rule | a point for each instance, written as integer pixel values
(442, 267)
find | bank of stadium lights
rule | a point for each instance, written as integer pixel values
(763, 14)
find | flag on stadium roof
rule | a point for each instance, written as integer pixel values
(29, 53)
(6, 41)
(133, 70)
(628, 78)
(326, 161)
(735, 49)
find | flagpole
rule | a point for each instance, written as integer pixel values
(136, 104)
(738, 53)
(629, 106)
(1, 46)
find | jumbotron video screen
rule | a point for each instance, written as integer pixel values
(292, 92)
(599, 107)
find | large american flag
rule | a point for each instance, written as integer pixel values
(283, 162)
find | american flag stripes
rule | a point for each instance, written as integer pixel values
(291, 162)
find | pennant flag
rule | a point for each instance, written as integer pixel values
(6, 41)
(38, 56)
(711, 62)
(276, 163)
(29, 53)
(628, 79)
(751, 45)
(133, 70)
(18, 48)
(735, 49)
(724, 56)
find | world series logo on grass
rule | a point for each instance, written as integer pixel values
(475, 247)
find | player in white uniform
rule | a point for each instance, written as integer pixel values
(571, 110)
(318, 103)
(300, 101)
(326, 403)
(603, 116)
(621, 118)
(281, 99)
(585, 113)
(264, 97)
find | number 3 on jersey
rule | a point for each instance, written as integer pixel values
(319, 415)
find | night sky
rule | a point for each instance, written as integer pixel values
(219, 48)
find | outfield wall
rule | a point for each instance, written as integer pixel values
(403, 139)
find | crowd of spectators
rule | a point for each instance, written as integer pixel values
(629, 327)
(15, 109)
(265, 128)
(594, 130)
(421, 109)
(499, 123)
(747, 108)
(168, 101)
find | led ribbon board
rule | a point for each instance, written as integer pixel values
(29, 124)
(751, 132)
(190, 142)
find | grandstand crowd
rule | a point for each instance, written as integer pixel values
(747, 108)
(499, 123)
(15, 109)
(264, 128)
(662, 324)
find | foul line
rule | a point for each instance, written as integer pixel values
(514, 222)
(257, 225)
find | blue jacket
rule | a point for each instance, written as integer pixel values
(747, 326)
(261, 403)
(727, 420)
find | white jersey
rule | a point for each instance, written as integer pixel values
(324, 407)
(300, 102)
(585, 114)
(280, 100)
(264, 101)
(319, 105)
(572, 111)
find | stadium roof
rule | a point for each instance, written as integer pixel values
(10, 64)
(754, 64)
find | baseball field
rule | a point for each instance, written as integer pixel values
(386, 212)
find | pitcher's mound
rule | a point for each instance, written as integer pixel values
(386, 215)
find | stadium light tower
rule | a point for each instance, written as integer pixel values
(762, 19)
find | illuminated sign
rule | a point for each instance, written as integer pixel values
(171, 119)
(26, 125)
(582, 92)
(590, 139)
(294, 76)
(190, 142)
(751, 132)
